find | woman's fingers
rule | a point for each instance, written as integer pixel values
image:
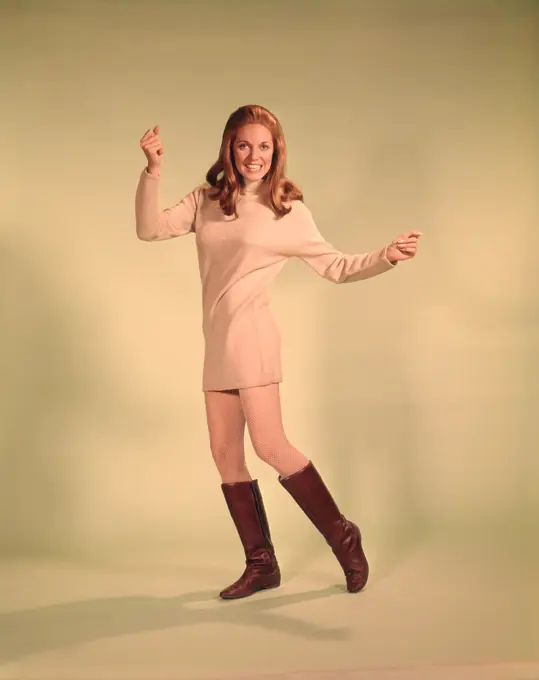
(407, 247)
(152, 146)
(151, 133)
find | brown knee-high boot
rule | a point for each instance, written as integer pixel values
(309, 491)
(262, 571)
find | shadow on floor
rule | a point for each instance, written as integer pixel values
(55, 626)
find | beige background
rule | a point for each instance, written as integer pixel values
(415, 393)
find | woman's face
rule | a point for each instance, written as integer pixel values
(253, 151)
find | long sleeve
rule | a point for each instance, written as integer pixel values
(155, 224)
(303, 240)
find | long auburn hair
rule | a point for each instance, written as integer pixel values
(225, 180)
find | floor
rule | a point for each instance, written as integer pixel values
(445, 610)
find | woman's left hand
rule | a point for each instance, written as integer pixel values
(404, 247)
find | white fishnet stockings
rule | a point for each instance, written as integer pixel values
(260, 408)
(226, 427)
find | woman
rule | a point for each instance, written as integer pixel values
(248, 219)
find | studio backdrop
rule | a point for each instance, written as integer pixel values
(415, 392)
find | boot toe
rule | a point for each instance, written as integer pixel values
(349, 552)
(252, 582)
(356, 581)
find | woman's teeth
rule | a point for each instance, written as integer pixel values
(253, 168)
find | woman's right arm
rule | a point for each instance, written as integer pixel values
(155, 224)
(152, 223)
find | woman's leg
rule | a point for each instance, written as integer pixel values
(298, 475)
(226, 426)
(262, 409)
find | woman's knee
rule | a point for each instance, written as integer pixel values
(228, 454)
(230, 464)
(270, 449)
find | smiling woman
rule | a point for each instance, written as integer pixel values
(253, 152)
(252, 157)
(249, 220)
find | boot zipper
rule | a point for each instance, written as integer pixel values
(259, 513)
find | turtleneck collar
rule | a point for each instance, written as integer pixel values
(252, 188)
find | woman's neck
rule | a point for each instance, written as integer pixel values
(252, 186)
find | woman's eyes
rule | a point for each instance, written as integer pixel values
(264, 147)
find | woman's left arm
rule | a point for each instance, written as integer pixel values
(304, 240)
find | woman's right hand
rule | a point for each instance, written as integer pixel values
(152, 147)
